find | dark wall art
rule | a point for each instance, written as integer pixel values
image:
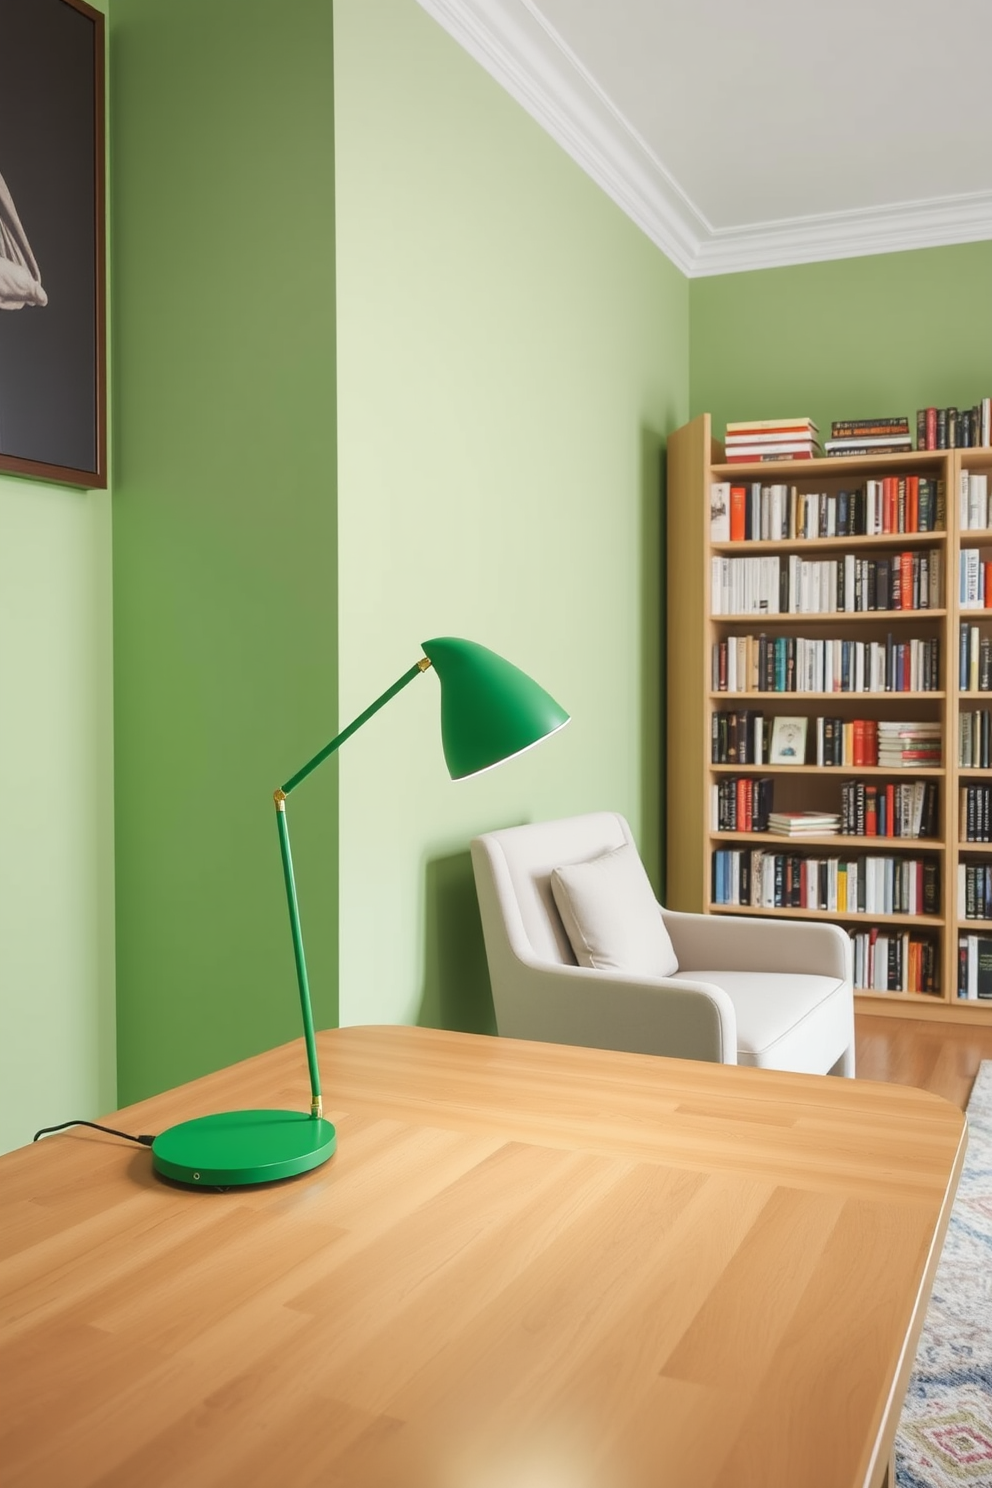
(52, 270)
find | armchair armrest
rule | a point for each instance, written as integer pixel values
(742, 943)
(608, 1009)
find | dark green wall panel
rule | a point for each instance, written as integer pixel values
(224, 522)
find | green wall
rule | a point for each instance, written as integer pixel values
(224, 522)
(859, 337)
(57, 1049)
(512, 352)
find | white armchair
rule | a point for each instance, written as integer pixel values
(772, 993)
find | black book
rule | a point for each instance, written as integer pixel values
(963, 966)
(952, 428)
(984, 970)
(843, 514)
(883, 583)
(931, 886)
(941, 428)
(985, 664)
(921, 428)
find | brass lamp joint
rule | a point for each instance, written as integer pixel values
(316, 1108)
(279, 797)
(424, 663)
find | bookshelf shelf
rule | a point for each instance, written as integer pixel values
(923, 462)
(845, 772)
(839, 617)
(899, 996)
(881, 845)
(833, 544)
(838, 917)
(846, 697)
(695, 462)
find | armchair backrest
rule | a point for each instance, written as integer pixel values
(513, 878)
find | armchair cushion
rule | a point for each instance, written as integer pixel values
(785, 1020)
(611, 916)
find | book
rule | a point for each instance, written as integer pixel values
(846, 428)
(781, 447)
(831, 450)
(738, 513)
(803, 824)
(785, 424)
(720, 511)
(768, 436)
(738, 459)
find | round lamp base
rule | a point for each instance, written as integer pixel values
(235, 1147)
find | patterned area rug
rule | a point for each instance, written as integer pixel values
(945, 1434)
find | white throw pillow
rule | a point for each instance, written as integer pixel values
(611, 916)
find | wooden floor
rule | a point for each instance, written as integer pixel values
(933, 1056)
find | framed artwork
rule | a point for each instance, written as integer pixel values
(53, 396)
(788, 742)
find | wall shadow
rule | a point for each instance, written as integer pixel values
(652, 841)
(457, 993)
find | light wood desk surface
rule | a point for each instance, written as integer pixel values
(527, 1266)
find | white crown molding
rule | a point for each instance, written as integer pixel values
(517, 47)
(855, 234)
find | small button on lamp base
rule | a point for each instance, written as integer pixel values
(237, 1147)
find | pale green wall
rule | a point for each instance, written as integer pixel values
(511, 354)
(856, 338)
(224, 522)
(57, 1045)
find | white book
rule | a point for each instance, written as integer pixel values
(964, 502)
(720, 511)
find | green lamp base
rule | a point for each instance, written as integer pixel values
(235, 1147)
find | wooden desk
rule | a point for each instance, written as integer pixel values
(528, 1266)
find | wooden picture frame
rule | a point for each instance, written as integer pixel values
(53, 376)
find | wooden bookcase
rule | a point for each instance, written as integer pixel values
(695, 461)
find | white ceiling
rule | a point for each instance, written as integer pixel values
(744, 135)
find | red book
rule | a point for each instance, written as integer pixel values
(738, 507)
(871, 741)
(906, 596)
(931, 428)
(858, 746)
(912, 503)
(763, 459)
(890, 811)
(871, 810)
(890, 501)
(987, 595)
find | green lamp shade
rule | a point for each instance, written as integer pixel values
(490, 709)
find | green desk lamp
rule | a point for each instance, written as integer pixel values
(490, 710)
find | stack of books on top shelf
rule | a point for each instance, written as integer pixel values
(905, 745)
(771, 439)
(872, 436)
(804, 823)
(953, 428)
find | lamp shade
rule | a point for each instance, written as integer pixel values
(490, 709)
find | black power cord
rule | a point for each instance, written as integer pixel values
(145, 1141)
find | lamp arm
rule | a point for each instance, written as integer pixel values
(355, 725)
(316, 1108)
